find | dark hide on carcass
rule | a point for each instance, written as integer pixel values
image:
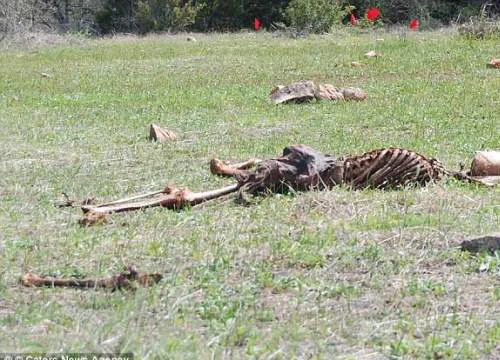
(299, 168)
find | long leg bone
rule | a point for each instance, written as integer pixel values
(136, 197)
(124, 280)
(171, 198)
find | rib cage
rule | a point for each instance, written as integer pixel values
(390, 167)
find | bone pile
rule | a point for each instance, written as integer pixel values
(307, 90)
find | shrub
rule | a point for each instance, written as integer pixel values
(146, 15)
(481, 28)
(429, 12)
(24, 16)
(485, 25)
(315, 16)
(116, 16)
(164, 15)
(238, 14)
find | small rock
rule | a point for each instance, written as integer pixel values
(190, 38)
(329, 92)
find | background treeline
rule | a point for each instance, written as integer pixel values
(142, 16)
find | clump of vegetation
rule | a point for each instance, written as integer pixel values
(303, 16)
(144, 16)
(314, 16)
(480, 27)
(160, 15)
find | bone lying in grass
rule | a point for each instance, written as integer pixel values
(170, 197)
(307, 90)
(160, 135)
(128, 279)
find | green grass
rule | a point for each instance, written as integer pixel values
(327, 274)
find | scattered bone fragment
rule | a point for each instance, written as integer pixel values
(222, 168)
(486, 163)
(372, 54)
(128, 279)
(494, 63)
(45, 75)
(299, 92)
(329, 92)
(354, 94)
(308, 90)
(160, 135)
(489, 243)
(356, 64)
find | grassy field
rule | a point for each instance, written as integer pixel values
(350, 275)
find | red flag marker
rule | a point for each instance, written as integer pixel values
(352, 20)
(256, 24)
(372, 14)
(413, 24)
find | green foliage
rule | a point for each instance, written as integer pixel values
(115, 16)
(430, 13)
(146, 15)
(238, 14)
(165, 15)
(482, 26)
(314, 16)
(305, 16)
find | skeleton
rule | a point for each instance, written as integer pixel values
(300, 168)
